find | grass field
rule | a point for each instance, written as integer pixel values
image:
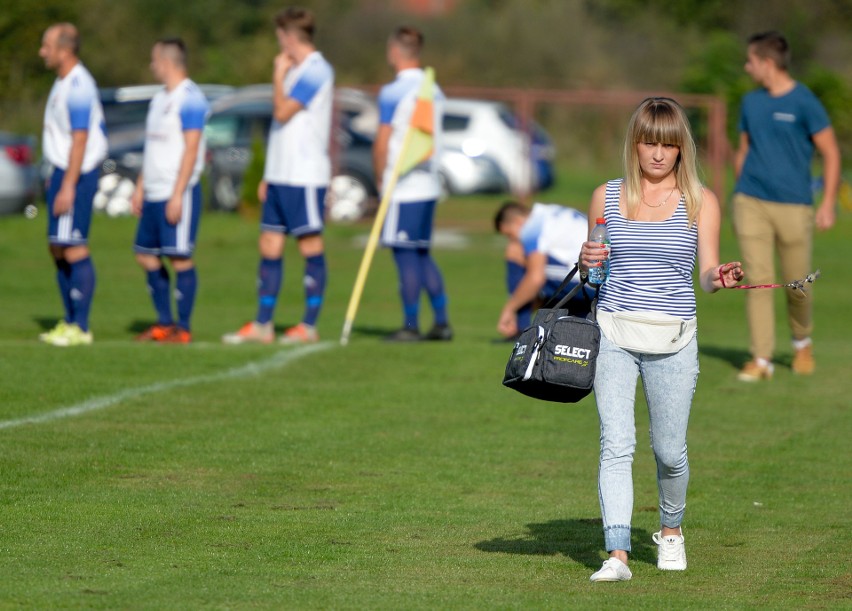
(388, 476)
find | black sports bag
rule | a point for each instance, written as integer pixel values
(554, 358)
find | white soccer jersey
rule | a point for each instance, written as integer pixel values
(170, 114)
(297, 153)
(559, 233)
(74, 104)
(396, 105)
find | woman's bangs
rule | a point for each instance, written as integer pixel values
(660, 125)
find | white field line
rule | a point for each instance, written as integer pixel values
(277, 360)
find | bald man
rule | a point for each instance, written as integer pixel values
(75, 144)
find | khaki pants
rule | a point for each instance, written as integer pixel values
(763, 227)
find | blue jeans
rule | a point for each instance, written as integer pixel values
(669, 383)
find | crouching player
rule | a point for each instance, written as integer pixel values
(543, 244)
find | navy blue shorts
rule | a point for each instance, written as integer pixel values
(157, 236)
(72, 228)
(409, 224)
(293, 210)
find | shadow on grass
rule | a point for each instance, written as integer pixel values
(579, 539)
(138, 326)
(46, 323)
(735, 356)
(373, 331)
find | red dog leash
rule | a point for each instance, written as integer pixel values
(799, 285)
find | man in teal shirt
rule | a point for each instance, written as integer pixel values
(781, 125)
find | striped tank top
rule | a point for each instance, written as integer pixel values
(651, 263)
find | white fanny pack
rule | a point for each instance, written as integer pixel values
(647, 332)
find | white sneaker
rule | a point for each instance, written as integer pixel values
(613, 569)
(671, 552)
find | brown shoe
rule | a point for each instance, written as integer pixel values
(803, 361)
(754, 372)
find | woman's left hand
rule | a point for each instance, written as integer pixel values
(730, 274)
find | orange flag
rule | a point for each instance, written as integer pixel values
(420, 141)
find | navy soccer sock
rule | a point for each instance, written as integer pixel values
(63, 279)
(269, 276)
(82, 290)
(433, 281)
(186, 285)
(410, 284)
(514, 273)
(158, 286)
(315, 278)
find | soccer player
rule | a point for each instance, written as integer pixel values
(544, 242)
(75, 144)
(168, 193)
(296, 176)
(408, 226)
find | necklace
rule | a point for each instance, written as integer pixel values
(662, 202)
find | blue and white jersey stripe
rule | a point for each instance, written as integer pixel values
(74, 104)
(170, 114)
(651, 263)
(297, 152)
(558, 232)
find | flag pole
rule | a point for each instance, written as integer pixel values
(372, 242)
(367, 259)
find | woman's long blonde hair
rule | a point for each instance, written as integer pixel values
(662, 120)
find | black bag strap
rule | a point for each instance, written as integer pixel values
(565, 282)
(552, 303)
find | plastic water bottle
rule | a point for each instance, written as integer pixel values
(598, 275)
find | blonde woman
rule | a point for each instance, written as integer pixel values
(659, 217)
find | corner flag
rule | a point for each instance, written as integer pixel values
(421, 130)
(416, 148)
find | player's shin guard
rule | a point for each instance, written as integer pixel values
(315, 279)
(158, 286)
(433, 282)
(82, 291)
(63, 279)
(186, 285)
(410, 284)
(269, 276)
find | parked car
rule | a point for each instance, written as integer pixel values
(18, 174)
(463, 174)
(482, 128)
(245, 115)
(125, 112)
(459, 173)
(242, 120)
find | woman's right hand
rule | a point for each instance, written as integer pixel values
(592, 254)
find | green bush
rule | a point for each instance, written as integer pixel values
(253, 175)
